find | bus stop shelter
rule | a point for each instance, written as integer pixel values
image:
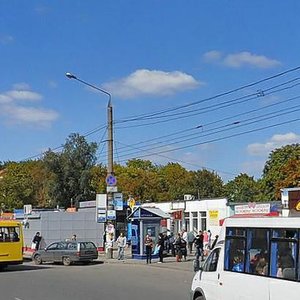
(145, 220)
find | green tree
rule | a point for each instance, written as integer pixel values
(138, 179)
(207, 184)
(273, 169)
(174, 182)
(243, 188)
(291, 172)
(16, 188)
(71, 171)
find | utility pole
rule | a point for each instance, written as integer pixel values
(110, 161)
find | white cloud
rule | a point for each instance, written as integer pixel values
(15, 113)
(5, 99)
(152, 82)
(24, 95)
(240, 59)
(19, 114)
(276, 141)
(212, 56)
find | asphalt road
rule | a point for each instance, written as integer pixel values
(103, 281)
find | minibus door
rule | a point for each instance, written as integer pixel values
(209, 277)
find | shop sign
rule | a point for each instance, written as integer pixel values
(252, 208)
(213, 217)
(177, 215)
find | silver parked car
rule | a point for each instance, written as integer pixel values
(66, 252)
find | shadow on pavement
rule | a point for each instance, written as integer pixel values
(22, 268)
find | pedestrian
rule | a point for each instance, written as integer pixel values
(36, 241)
(177, 245)
(161, 244)
(121, 243)
(198, 241)
(149, 245)
(183, 249)
(190, 240)
(74, 237)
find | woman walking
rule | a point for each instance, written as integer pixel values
(149, 244)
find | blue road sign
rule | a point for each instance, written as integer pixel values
(111, 180)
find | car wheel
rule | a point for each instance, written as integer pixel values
(66, 261)
(37, 259)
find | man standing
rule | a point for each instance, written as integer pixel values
(190, 240)
(161, 245)
(121, 243)
(198, 241)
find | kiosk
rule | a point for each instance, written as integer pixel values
(145, 220)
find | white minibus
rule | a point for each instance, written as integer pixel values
(254, 259)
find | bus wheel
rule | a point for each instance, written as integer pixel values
(37, 259)
(66, 261)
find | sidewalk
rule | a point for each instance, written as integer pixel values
(168, 262)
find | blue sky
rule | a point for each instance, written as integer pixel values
(181, 75)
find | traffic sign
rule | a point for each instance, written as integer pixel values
(111, 180)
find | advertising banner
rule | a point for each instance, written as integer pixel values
(213, 217)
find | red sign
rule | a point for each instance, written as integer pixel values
(177, 215)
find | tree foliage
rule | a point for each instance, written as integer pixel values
(273, 172)
(71, 171)
(242, 189)
(16, 187)
(207, 184)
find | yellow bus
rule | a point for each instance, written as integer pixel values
(11, 243)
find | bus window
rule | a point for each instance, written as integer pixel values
(283, 259)
(285, 233)
(9, 234)
(231, 231)
(235, 254)
(257, 251)
(212, 261)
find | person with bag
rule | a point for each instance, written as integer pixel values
(36, 241)
(177, 245)
(149, 245)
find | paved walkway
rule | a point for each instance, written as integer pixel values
(169, 261)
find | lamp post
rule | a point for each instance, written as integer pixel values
(110, 171)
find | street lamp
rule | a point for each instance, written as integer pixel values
(110, 171)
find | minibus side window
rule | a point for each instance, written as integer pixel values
(235, 254)
(257, 251)
(212, 261)
(283, 259)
